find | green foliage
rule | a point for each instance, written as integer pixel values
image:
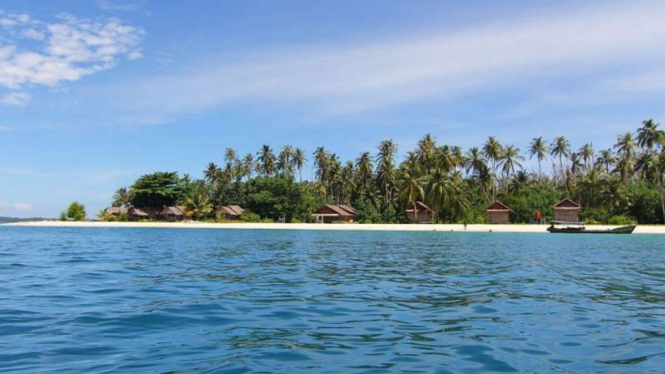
(620, 220)
(367, 212)
(531, 198)
(250, 217)
(63, 216)
(158, 190)
(277, 197)
(76, 211)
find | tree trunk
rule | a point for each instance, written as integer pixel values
(415, 212)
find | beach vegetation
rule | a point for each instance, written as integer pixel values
(76, 211)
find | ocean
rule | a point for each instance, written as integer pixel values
(127, 300)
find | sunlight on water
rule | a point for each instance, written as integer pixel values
(214, 301)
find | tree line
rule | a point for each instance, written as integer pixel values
(624, 182)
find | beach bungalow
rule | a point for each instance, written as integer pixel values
(138, 214)
(567, 211)
(116, 211)
(231, 212)
(420, 213)
(173, 213)
(498, 213)
(335, 213)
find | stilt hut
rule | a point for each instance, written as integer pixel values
(567, 211)
(335, 213)
(498, 213)
(420, 213)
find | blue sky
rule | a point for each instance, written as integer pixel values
(95, 93)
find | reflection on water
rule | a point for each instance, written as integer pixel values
(199, 301)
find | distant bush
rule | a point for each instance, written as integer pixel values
(110, 218)
(620, 220)
(76, 211)
(123, 217)
(250, 217)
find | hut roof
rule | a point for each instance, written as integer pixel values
(116, 210)
(421, 207)
(138, 212)
(339, 210)
(567, 204)
(498, 206)
(232, 210)
(175, 210)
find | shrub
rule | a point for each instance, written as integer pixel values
(620, 220)
(250, 217)
(76, 211)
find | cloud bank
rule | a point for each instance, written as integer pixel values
(586, 42)
(34, 52)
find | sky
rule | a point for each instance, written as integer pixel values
(94, 93)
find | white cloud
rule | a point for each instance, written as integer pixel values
(365, 76)
(23, 207)
(67, 50)
(3, 204)
(16, 98)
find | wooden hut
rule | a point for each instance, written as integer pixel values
(420, 213)
(567, 211)
(231, 212)
(139, 214)
(116, 211)
(335, 213)
(498, 213)
(173, 213)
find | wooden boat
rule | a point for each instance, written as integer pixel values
(560, 227)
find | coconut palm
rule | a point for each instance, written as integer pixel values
(539, 149)
(492, 150)
(385, 169)
(510, 158)
(626, 145)
(412, 190)
(425, 152)
(321, 161)
(122, 197)
(284, 160)
(230, 155)
(560, 148)
(587, 154)
(299, 160)
(606, 159)
(474, 162)
(267, 160)
(249, 165)
(364, 166)
(649, 136)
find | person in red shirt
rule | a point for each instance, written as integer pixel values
(538, 216)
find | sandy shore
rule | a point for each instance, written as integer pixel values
(309, 226)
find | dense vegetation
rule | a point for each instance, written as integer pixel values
(613, 185)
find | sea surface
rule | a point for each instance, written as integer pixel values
(125, 300)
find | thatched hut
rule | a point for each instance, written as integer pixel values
(139, 214)
(173, 213)
(420, 213)
(116, 211)
(567, 211)
(498, 213)
(335, 213)
(231, 212)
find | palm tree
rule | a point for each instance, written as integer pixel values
(249, 165)
(230, 155)
(284, 160)
(438, 190)
(648, 136)
(625, 145)
(267, 161)
(509, 159)
(560, 148)
(198, 203)
(365, 167)
(321, 161)
(539, 149)
(299, 160)
(122, 197)
(587, 154)
(385, 170)
(425, 152)
(606, 159)
(492, 150)
(474, 161)
(412, 190)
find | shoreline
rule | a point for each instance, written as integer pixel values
(512, 228)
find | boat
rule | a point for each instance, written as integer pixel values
(561, 227)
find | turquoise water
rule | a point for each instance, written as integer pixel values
(94, 300)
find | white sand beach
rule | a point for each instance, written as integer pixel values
(332, 227)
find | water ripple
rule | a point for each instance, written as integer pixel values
(189, 301)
